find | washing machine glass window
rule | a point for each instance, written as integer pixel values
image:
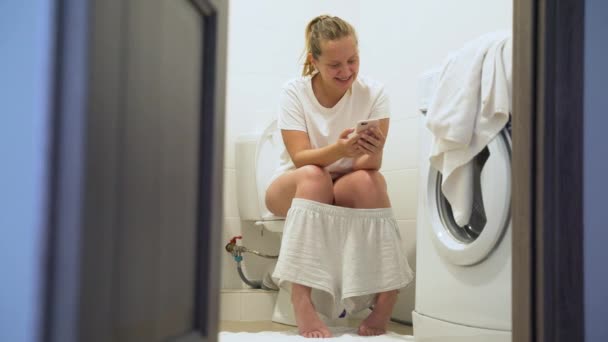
(470, 231)
(490, 217)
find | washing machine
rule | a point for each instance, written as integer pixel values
(463, 278)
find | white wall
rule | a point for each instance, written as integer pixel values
(398, 41)
(25, 66)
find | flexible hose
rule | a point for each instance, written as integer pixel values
(256, 284)
(233, 249)
(236, 251)
(247, 250)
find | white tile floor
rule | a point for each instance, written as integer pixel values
(247, 305)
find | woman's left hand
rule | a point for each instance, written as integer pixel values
(371, 141)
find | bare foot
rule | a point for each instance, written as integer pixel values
(377, 321)
(309, 323)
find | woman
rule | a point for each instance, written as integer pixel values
(324, 167)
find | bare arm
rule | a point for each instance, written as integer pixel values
(372, 143)
(301, 153)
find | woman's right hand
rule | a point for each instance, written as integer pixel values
(348, 146)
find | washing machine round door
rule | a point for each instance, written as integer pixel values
(473, 242)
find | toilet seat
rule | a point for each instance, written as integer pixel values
(257, 157)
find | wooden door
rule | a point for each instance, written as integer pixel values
(135, 247)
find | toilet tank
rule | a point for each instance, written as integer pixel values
(257, 157)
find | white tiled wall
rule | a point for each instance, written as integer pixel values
(398, 41)
(247, 305)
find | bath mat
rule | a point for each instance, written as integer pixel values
(340, 334)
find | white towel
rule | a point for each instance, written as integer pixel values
(470, 107)
(339, 334)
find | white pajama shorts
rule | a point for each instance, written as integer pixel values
(345, 255)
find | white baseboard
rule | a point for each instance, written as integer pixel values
(247, 305)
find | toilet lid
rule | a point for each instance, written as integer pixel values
(268, 152)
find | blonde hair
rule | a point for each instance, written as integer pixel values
(323, 27)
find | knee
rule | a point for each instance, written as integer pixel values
(369, 181)
(315, 179)
(314, 174)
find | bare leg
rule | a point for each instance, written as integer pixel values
(313, 183)
(377, 321)
(361, 189)
(309, 323)
(308, 182)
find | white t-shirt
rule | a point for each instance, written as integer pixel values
(300, 110)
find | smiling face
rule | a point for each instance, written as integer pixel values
(338, 63)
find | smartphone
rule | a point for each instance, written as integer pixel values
(365, 124)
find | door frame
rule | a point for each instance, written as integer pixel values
(547, 164)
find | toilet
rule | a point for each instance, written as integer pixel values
(257, 157)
